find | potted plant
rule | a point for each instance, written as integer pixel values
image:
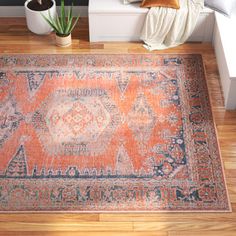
(63, 25)
(34, 9)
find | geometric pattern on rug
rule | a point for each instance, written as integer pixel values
(94, 133)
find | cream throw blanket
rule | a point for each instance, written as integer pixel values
(167, 27)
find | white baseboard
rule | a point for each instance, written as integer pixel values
(19, 11)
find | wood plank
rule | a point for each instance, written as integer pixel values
(185, 226)
(49, 218)
(169, 217)
(197, 233)
(84, 233)
(69, 226)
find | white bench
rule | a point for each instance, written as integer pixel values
(224, 41)
(111, 20)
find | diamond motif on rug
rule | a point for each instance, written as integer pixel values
(76, 122)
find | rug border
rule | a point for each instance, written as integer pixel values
(132, 211)
(217, 139)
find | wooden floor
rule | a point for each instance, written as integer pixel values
(14, 38)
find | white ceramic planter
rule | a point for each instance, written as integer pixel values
(35, 22)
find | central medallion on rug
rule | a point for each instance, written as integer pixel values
(92, 133)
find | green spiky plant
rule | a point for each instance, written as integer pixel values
(64, 24)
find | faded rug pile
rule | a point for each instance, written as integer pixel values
(92, 133)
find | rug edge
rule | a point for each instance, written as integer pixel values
(216, 131)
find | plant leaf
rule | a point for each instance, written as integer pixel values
(63, 17)
(73, 26)
(69, 13)
(54, 21)
(50, 23)
(58, 23)
(69, 21)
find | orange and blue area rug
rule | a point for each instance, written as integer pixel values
(94, 133)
